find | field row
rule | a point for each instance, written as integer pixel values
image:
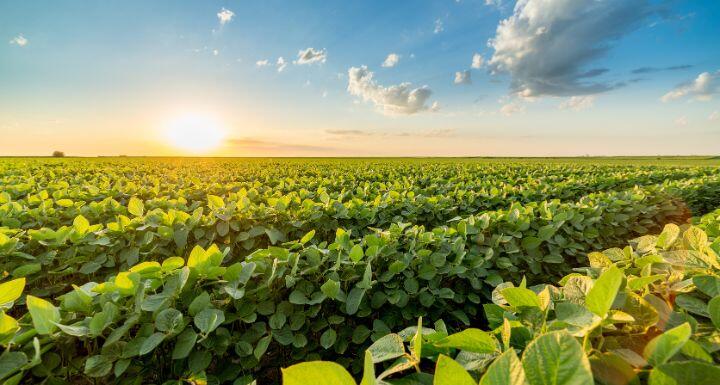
(535, 239)
(354, 196)
(305, 301)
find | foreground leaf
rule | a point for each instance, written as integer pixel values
(316, 373)
(448, 371)
(505, 370)
(556, 359)
(43, 313)
(663, 347)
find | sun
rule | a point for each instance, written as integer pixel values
(195, 133)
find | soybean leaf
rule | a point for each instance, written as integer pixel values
(208, 320)
(98, 366)
(602, 294)
(471, 340)
(448, 371)
(316, 373)
(10, 291)
(505, 370)
(43, 313)
(184, 343)
(663, 347)
(556, 358)
(386, 348)
(685, 372)
(136, 207)
(713, 308)
(151, 343)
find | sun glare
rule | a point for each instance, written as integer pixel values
(195, 133)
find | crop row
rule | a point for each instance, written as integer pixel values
(53, 258)
(52, 195)
(211, 315)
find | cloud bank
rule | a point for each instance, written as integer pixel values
(311, 55)
(225, 16)
(547, 45)
(462, 77)
(19, 40)
(702, 88)
(399, 99)
(391, 60)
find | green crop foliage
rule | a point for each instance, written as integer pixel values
(640, 333)
(218, 271)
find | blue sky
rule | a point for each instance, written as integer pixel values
(558, 77)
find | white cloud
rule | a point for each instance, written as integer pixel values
(262, 63)
(512, 108)
(715, 115)
(19, 40)
(281, 64)
(462, 77)
(577, 103)
(215, 52)
(438, 26)
(391, 60)
(399, 99)
(477, 61)
(702, 88)
(547, 45)
(681, 121)
(311, 55)
(225, 16)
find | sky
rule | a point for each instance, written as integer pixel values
(360, 78)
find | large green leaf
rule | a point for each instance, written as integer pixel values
(519, 297)
(713, 309)
(471, 340)
(43, 313)
(98, 366)
(505, 370)
(184, 343)
(316, 373)
(556, 359)
(685, 373)
(136, 207)
(661, 348)
(208, 320)
(10, 291)
(602, 294)
(386, 348)
(447, 372)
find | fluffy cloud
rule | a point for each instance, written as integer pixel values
(438, 26)
(19, 40)
(399, 99)
(311, 55)
(391, 60)
(512, 108)
(577, 103)
(262, 63)
(546, 45)
(477, 61)
(462, 77)
(281, 64)
(225, 16)
(702, 88)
